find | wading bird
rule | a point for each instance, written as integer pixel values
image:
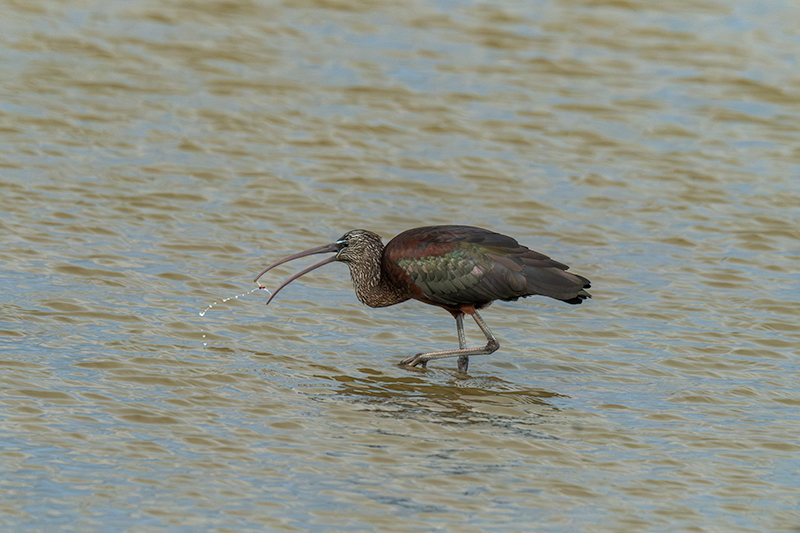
(458, 268)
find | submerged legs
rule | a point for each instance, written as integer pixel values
(463, 352)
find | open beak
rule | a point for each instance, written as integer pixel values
(328, 248)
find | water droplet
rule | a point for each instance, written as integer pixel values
(259, 288)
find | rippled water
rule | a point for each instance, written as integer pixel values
(154, 157)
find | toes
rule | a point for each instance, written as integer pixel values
(414, 360)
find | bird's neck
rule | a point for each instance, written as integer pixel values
(372, 287)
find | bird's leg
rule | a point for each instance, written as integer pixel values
(491, 346)
(491, 343)
(463, 360)
(462, 339)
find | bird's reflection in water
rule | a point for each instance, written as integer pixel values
(453, 400)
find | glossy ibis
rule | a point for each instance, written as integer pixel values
(458, 268)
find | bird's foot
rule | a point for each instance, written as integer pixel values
(415, 360)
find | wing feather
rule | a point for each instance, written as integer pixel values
(465, 265)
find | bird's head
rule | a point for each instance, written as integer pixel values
(356, 247)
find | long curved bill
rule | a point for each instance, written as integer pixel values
(333, 247)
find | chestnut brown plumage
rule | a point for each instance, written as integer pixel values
(458, 268)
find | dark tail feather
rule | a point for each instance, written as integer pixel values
(582, 295)
(558, 284)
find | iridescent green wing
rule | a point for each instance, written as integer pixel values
(469, 273)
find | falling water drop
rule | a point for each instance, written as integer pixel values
(207, 309)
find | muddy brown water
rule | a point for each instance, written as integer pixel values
(154, 157)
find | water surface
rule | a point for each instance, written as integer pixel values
(155, 157)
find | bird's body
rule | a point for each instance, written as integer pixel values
(459, 268)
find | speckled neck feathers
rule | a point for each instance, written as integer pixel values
(364, 255)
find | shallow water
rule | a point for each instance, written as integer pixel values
(156, 157)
